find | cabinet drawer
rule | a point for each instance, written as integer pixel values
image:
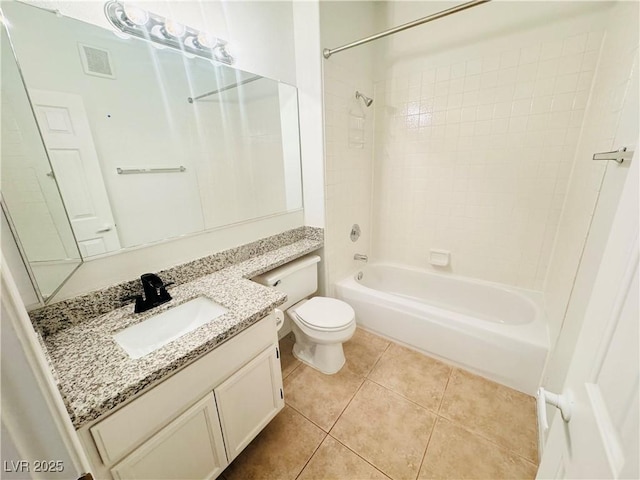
(125, 429)
(190, 447)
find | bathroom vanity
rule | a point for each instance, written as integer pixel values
(190, 406)
(196, 422)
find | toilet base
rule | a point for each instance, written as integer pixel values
(328, 359)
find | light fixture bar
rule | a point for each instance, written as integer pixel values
(149, 26)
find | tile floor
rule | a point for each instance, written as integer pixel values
(391, 413)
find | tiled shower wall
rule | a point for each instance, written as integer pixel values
(348, 136)
(474, 148)
(348, 164)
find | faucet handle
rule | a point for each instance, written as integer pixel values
(163, 294)
(139, 307)
(151, 278)
(130, 297)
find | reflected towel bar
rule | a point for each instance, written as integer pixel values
(223, 89)
(128, 171)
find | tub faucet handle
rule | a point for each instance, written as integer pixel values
(360, 256)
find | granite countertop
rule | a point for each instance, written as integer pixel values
(94, 374)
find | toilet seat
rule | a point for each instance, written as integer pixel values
(325, 314)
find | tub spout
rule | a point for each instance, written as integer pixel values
(359, 256)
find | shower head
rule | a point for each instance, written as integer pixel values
(367, 101)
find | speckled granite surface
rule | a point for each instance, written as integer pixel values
(94, 374)
(60, 315)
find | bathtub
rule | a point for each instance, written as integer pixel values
(495, 331)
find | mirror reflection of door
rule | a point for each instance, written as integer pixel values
(67, 137)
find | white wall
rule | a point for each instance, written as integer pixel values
(477, 121)
(309, 83)
(306, 24)
(348, 133)
(611, 121)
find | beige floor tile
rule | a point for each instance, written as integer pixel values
(363, 351)
(335, 461)
(455, 453)
(412, 375)
(387, 430)
(319, 397)
(502, 415)
(288, 362)
(280, 451)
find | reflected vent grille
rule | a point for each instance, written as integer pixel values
(96, 61)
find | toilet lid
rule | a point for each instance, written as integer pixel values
(325, 313)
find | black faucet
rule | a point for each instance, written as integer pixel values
(155, 293)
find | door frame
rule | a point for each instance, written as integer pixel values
(619, 261)
(16, 416)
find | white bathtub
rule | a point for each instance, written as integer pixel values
(496, 331)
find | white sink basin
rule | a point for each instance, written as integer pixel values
(145, 337)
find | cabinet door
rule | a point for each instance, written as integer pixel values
(249, 399)
(190, 447)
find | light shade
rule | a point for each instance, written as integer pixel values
(135, 15)
(133, 20)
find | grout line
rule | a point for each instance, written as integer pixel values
(488, 439)
(307, 418)
(403, 397)
(358, 455)
(312, 455)
(348, 403)
(293, 370)
(347, 406)
(424, 455)
(341, 411)
(375, 364)
(444, 392)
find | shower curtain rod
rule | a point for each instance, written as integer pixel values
(328, 52)
(228, 87)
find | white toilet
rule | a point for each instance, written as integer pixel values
(320, 324)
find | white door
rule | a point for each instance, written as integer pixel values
(601, 438)
(67, 137)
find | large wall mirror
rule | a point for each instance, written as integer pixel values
(31, 200)
(149, 143)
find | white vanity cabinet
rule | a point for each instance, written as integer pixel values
(248, 400)
(191, 446)
(193, 424)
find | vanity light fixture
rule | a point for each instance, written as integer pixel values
(135, 21)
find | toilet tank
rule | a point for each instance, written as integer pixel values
(298, 279)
